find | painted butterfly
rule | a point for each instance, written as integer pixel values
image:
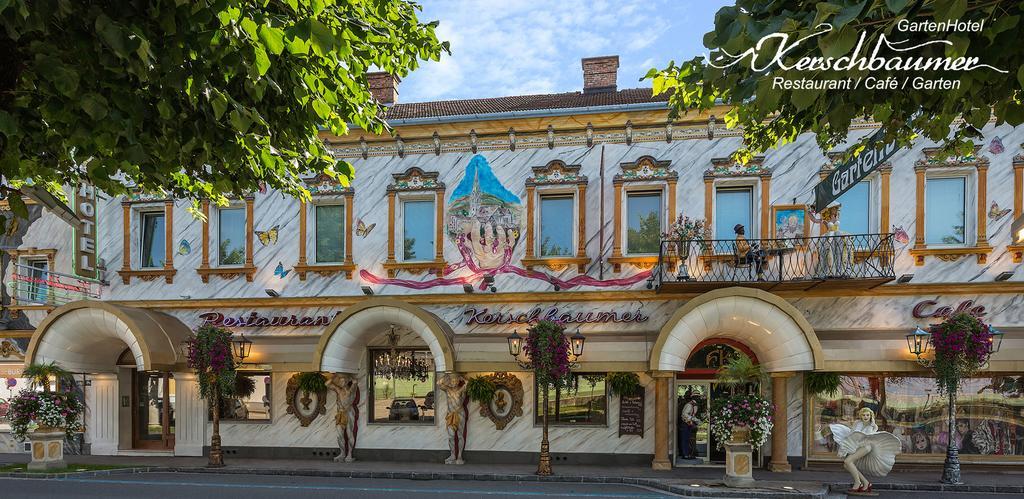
(268, 236)
(363, 230)
(280, 271)
(996, 146)
(184, 248)
(994, 213)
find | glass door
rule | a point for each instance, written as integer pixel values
(154, 411)
(693, 436)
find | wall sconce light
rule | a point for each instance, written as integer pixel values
(273, 293)
(1004, 276)
(368, 291)
(905, 278)
(468, 288)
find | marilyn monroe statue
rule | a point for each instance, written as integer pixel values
(864, 449)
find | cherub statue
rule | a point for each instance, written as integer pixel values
(454, 386)
(346, 388)
(864, 449)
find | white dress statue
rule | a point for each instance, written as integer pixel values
(864, 449)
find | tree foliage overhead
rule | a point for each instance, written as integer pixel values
(197, 98)
(771, 117)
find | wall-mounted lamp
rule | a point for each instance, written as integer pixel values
(368, 291)
(1004, 276)
(905, 278)
(468, 288)
(489, 281)
(273, 293)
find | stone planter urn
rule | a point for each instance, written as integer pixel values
(739, 460)
(47, 449)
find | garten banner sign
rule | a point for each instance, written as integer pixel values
(848, 174)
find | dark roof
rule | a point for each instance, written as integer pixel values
(566, 100)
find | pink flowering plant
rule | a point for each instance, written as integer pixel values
(209, 355)
(961, 344)
(40, 407)
(751, 411)
(548, 350)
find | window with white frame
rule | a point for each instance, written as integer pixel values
(946, 213)
(330, 233)
(734, 205)
(557, 222)
(418, 217)
(644, 214)
(855, 217)
(231, 226)
(153, 233)
(38, 270)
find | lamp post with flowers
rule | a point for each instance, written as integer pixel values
(210, 352)
(551, 355)
(961, 345)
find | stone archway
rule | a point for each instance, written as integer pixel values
(343, 345)
(782, 339)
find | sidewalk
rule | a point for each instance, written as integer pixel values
(700, 481)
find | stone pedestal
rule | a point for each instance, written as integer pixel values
(739, 464)
(47, 449)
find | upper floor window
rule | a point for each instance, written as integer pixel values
(153, 231)
(945, 210)
(231, 226)
(418, 229)
(38, 270)
(733, 206)
(644, 222)
(556, 225)
(330, 233)
(856, 209)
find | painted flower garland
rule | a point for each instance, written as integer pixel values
(751, 411)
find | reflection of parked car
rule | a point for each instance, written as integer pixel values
(404, 409)
(428, 401)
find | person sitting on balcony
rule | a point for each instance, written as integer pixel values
(749, 253)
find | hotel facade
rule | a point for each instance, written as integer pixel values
(475, 218)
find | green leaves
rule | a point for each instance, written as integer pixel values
(95, 105)
(272, 38)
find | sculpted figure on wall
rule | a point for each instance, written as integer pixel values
(864, 449)
(347, 419)
(457, 419)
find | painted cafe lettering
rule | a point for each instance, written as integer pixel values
(256, 320)
(485, 316)
(924, 310)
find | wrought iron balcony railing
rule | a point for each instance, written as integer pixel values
(847, 261)
(36, 286)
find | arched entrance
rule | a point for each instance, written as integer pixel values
(140, 393)
(770, 327)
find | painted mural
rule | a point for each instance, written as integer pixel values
(485, 223)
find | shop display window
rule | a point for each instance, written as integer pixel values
(418, 230)
(254, 407)
(330, 233)
(402, 383)
(584, 402)
(556, 225)
(643, 222)
(990, 414)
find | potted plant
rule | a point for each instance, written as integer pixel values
(741, 418)
(743, 376)
(624, 384)
(312, 382)
(684, 230)
(481, 389)
(44, 416)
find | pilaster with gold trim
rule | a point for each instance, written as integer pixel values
(766, 194)
(646, 169)
(556, 177)
(1017, 250)
(662, 439)
(414, 180)
(780, 423)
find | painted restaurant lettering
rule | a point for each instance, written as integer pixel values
(256, 320)
(924, 310)
(485, 316)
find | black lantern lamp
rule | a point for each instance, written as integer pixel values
(576, 341)
(515, 344)
(918, 341)
(243, 347)
(995, 341)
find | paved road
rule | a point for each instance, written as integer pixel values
(203, 485)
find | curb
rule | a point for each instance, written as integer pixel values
(76, 474)
(935, 487)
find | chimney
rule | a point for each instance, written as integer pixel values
(599, 74)
(383, 87)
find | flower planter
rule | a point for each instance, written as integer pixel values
(47, 448)
(740, 434)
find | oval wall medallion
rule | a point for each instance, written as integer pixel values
(305, 406)
(507, 403)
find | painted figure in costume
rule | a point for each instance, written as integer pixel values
(454, 386)
(836, 256)
(864, 449)
(347, 419)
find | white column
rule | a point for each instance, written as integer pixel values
(101, 418)
(189, 416)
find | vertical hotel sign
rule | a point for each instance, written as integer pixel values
(85, 235)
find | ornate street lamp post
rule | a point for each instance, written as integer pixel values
(918, 343)
(515, 349)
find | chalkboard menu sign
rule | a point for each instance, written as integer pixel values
(631, 415)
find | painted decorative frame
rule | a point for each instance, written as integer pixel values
(790, 221)
(507, 403)
(305, 406)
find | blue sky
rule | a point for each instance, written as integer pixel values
(516, 47)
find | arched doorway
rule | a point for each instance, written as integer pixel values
(774, 331)
(140, 394)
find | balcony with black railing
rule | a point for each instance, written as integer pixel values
(845, 261)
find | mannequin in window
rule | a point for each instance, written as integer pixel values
(748, 252)
(687, 426)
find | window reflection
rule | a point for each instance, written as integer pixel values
(330, 233)
(402, 383)
(643, 219)
(990, 414)
(856, 211)
(153, 244)
(252, 401)
(584, 402)
(231, 234)
(418, 230)
(945, 209)
(733, 205)
(556, 225)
